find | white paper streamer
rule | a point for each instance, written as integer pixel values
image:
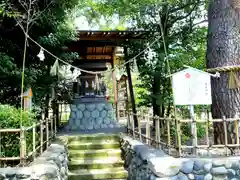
(41, 55)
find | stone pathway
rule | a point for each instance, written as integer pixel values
(95, 157)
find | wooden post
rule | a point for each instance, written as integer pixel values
(178, 124)
(128, 120)
(147, 129)
(41, 136)
(117, 102)
(139, 124)
(55, 126)
(115, 90)
(34, 140)
(169, 137)
(23, 146)
(236, 126)
(130, 87)
(47, 132)
(225, 134)
(157, 135)
(52, 133)
(193, 129)
(133, 124)
(209, 116)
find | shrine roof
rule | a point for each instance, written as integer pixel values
(112, 35)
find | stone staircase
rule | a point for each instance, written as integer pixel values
(95, 156)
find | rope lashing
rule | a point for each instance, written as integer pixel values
(224, 69)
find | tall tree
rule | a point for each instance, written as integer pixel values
(223, 50)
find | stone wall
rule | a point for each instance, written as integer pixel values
(89, 116)
(146, 163)
(51, 165)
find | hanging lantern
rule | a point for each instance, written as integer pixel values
(41, 55)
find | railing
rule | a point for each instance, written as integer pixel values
(31, 141)
(167, 134)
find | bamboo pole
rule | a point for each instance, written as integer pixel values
(147, 129)
(34, 140)
(169, 137)
(139, 124)
(207, 133)
(157, 129)
(47, 132)
(22, 146)
(133, 124)
(178, 132)
(52, 133)
(225, 134)
(55, 126)
(236, 125)
(41, 136)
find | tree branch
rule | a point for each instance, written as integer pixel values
(203, 21)
(183, 7)
(183, 17)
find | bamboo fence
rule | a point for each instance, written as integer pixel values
(169, 129)
(46, 130)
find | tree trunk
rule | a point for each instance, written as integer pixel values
(223, 50)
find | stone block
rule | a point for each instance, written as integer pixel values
(219, 170)
(81, 107)
(90, 107)
(187, 166)
(95, 113)
(103, 113)
(164, 166)
(87, 114)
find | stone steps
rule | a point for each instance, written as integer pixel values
(100, 163)
(90, 137)
(96, 144)
(94, 153)
(94, 174)
(95, 157)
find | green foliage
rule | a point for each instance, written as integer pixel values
(10, 118)
(51, 25)
(186, 131)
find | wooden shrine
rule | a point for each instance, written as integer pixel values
(97, 50)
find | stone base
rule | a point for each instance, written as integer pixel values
(89, 114)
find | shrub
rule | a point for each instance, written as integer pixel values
(9, 141)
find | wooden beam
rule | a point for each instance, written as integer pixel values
(98, 56)
(131, 87)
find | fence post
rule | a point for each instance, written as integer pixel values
(147, 129)
(225, 134)
(178, 132)
(52, 133)
(169, 136)
(41, 136)
(157, 135)
(236, 124)
(23, 146)
(34, 140)
(128, 120)
(133, 124)
(139, 124)
(47, 132)
(55, 126)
